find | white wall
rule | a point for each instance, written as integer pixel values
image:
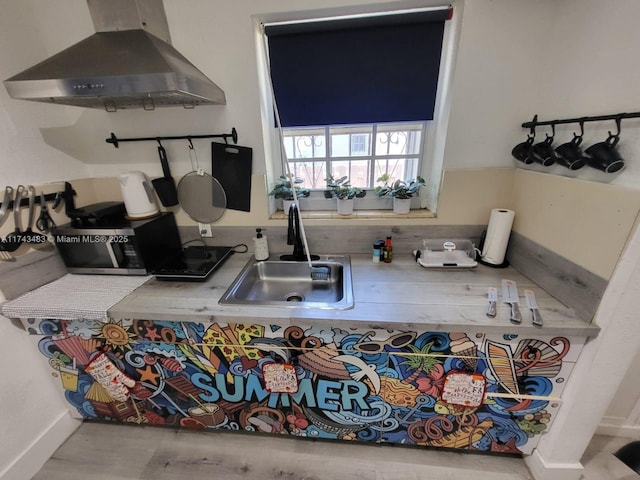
(494, 81)
(32, 409)
(622, 417)
(590, 70)
(34, 414)
(516, 58)
(23, 154)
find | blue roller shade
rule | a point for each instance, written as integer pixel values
(365, 70)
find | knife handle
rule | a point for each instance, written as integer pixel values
(492, 295)
(516, 316)
(491, 308)
(537, 318)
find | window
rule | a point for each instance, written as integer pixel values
(356, 96)
(359, 144)
(361, 152)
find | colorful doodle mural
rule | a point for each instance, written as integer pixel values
(374, 386)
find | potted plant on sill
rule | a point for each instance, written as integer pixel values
(345, 193)
(401, 192)
(283, 189)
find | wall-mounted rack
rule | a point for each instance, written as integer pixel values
(617, 117)
(115, 141)
(602, 155)
(55, 197)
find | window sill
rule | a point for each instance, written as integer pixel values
(357, 214)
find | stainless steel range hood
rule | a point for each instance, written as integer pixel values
(128, 63)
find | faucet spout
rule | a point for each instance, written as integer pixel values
(294, 237)
(298, 247)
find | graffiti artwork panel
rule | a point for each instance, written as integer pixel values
(374, 386)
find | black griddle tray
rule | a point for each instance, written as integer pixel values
(194, 263)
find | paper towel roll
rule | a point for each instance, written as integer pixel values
(497, 238)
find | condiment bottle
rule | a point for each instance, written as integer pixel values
(388, 250)
(260, 245)
(378, 251)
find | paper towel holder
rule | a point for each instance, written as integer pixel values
(481, 261)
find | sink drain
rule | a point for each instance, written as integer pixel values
(294, 297)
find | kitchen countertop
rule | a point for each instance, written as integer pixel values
(391, 296)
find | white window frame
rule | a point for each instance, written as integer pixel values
(371, 155)
(434, 138)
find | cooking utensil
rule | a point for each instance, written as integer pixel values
(200, 194)
(29, 236)
(165, 186)
(44, 223)
(493, 299)
(13, 241)
(510, 296)
(8, 193)
(533, 306)
(59, 197)
(231, 165)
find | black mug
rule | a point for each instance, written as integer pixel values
(543, 152)
(604, 155)
(521, 151)
(570, 154)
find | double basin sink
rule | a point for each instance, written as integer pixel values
(290, 284)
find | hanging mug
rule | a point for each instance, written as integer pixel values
(521, 151)
(570, 154)
(604, 155)
(543, 152)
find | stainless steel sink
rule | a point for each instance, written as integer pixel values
(289, 284)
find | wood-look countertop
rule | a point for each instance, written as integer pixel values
(399, 295)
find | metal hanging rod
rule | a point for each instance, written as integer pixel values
(115, 140)
(618, 116)
(56, 198)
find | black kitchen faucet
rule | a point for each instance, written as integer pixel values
(295, 238)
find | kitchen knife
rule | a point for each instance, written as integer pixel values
(510, 296)
(493, 299)
(533, 306)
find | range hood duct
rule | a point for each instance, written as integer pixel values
(128, 63)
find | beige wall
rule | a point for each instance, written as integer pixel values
(585, 222)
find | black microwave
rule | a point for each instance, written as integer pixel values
(124, 247)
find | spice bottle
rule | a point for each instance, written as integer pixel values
(378, 251)
(260, 245)
(388, 250)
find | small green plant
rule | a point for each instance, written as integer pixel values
(341, 188)
(399, 188)
(284, 189)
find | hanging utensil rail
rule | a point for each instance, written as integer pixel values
(617, 116)
(115, 140)
(55, 197)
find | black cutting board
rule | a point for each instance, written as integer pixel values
(231, 166)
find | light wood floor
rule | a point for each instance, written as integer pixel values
(104, 451)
